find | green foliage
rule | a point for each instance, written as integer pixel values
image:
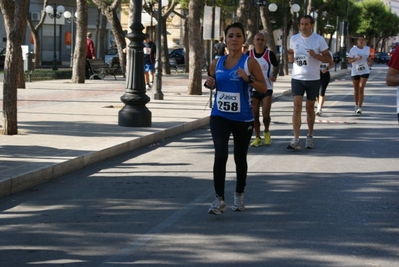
(376, 20)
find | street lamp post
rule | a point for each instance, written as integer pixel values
(71, 18)
(55, 13)
(344, 33)
(158, 64)
(135, 113)
(284, 57)
(314, 15)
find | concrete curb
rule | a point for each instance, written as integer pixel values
(21, 182)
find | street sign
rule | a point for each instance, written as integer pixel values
(207, 23)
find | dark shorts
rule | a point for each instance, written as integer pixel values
(149, 67)
(310, 87)
(357, 77)
(260, 96)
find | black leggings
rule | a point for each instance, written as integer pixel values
(324, 81)
(221, 129)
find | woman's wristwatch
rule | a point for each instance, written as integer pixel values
(251, 79)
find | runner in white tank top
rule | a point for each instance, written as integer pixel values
(269, 65)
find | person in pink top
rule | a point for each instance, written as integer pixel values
(392, 78)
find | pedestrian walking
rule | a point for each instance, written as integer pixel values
(220, 48)
(306, 51)
(232, 114)
(324, 81)
(150, 50)
(90, 54)
(372, 55)
(392, 78)
(269, 65)
(90, 51)
(359, 57)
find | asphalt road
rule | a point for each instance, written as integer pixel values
(335, 205)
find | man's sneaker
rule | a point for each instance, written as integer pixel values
(257, 142)
(148, 87)
(319, 112)
(309, 142)
(295, 144)
(267, 138)
(218, 206)
(238, 202)
(359, 111)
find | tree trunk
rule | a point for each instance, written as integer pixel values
(195, 48)
(103, 34)
(79, 55)
(15, 15)
(245, 14)
(110, 9)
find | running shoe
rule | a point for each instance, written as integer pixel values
(218, 206)
(309, 142)
(319, 112)
(356, 108)
(267, 138)
(295, 144)
(148, 87)
(238, 202)
(359, 111)
(257, 142)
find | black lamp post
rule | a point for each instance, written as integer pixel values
(55, 13)
(158, 95)
(135, 113)
(71, 18)
(344, 33)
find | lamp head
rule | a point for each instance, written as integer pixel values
(295, 8)
(272, 7)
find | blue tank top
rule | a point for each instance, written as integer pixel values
(233, 95)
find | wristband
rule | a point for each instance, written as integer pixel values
(209, 87)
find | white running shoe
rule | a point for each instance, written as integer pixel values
(238, 202)
(218, 206)
(319, 112)
(295, 144)
(309, 142)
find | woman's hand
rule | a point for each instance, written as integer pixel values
(210, 82)
(242, 74)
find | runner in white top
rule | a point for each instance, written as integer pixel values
(306, 51)
(359, 57)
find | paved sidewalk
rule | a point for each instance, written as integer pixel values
(64, 127)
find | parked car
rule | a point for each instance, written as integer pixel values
(178, 55)
(382, 57)
(111, 57)
(2, 58)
